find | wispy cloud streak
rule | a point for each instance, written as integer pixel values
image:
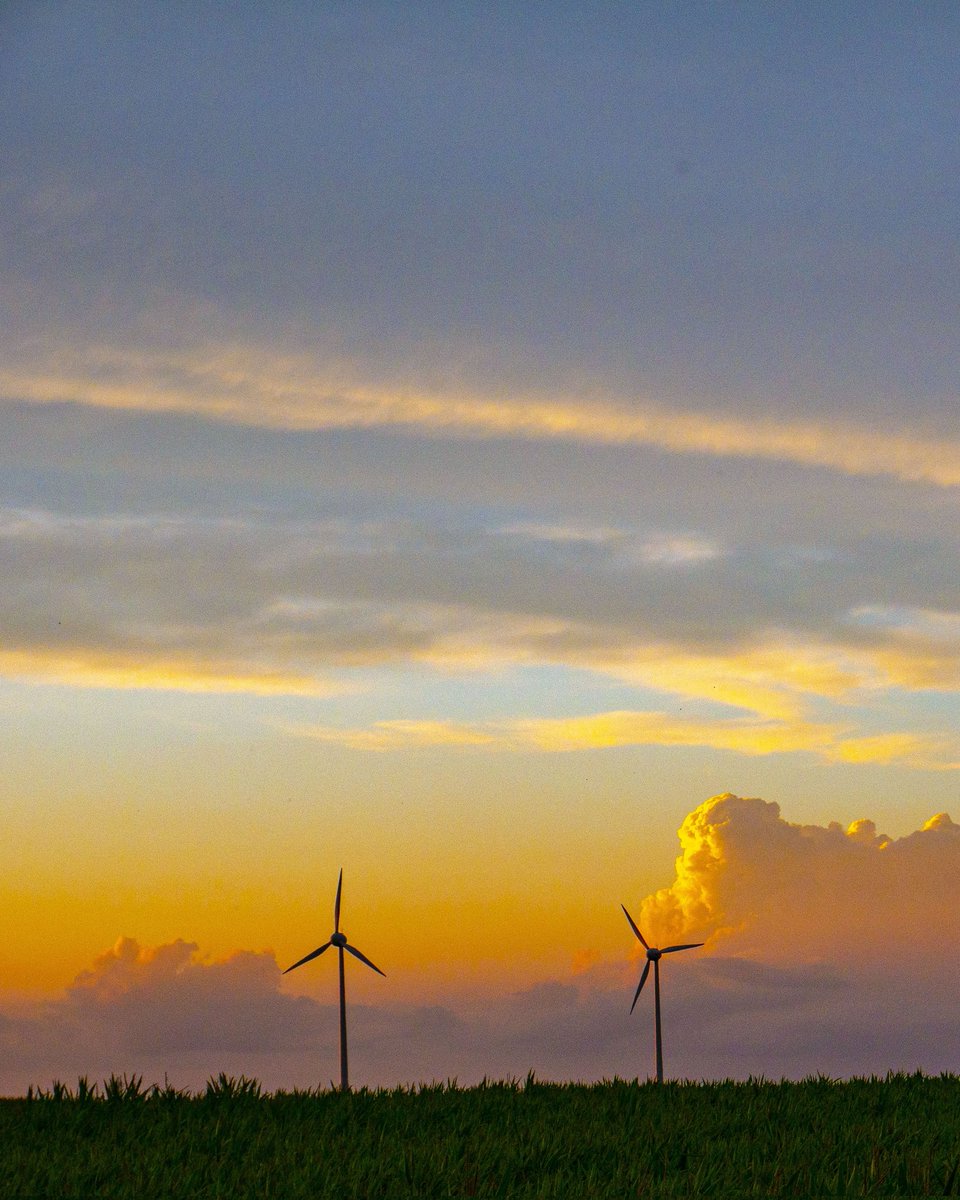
(607, 730)
(257, 386)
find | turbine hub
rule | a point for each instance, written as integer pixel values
(338, 939)
(653, 954)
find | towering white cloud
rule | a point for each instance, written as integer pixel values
(756, 884)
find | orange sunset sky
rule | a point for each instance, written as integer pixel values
(468, 445)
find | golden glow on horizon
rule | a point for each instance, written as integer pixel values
(257, 386)
(737, 879)
(498, 943)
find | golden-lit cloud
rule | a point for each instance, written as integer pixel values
(920, 647)
(751, 883)
(398, 735)
(911, 748)
(298, 608)
(773, 679)
(838, 982)
(606, 730)
(258, 385)
(144, 672)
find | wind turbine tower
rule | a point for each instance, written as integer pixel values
(653, 956)
(339, 940)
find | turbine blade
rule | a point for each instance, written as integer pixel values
(688, 946)
(336, 905)
(634, 928)
(363, 958)
(643, 980)
(307, 957)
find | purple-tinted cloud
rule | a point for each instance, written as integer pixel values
(166, 1013)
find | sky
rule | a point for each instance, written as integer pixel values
(512, 455)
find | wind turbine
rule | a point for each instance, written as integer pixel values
(339, 940)
(653, 956)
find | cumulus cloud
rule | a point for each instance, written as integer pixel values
(756, 884)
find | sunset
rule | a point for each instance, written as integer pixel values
(509, 454)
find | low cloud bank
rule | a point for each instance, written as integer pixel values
(828, 950)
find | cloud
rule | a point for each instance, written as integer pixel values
(605, 730)
(88, 667)
(914, 749)
(149, 1010)
(169, 1011)
(665, 549)
(828, 949)
(399, 735)
(919, 644)
(755, 884)
(166, 998)
(723, 1017)
(280, 600)
(272, 606)
(609, 729)
(258, 386)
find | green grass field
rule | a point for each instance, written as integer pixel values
(898, 1136)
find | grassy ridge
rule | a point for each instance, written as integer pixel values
(898, 1136)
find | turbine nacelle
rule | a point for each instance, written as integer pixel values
(337, 939)
(653, 955)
